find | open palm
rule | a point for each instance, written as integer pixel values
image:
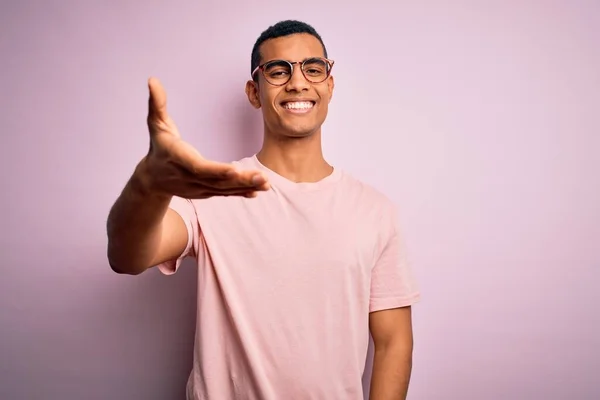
(176, 168)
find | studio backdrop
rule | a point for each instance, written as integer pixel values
(479, 119)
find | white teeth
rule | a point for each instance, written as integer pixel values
(298, 105)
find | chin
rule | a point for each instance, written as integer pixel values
(293, 127)
(299, 128)
(298, 132)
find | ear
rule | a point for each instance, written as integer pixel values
(330, 86)
(252, 93)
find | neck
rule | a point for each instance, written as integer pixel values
(296, 159)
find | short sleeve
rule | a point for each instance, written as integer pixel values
(185, 209)
(393, 283)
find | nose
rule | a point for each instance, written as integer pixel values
(297, 81)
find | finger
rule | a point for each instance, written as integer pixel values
(233, 185)
(157, 101)
(194, 165)
(216, 174)
(225, 184)
(264, 187)
(202, 193)
(253, 177)
(239, 179)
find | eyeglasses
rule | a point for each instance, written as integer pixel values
(279, 72)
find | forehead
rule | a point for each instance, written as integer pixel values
(296, 47)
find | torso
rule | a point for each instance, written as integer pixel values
(284, 284)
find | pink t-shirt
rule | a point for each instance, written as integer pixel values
(286, 282)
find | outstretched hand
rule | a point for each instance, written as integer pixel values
(174, 167)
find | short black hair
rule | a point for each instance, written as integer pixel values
(282, 28)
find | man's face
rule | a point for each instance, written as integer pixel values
(285, 108)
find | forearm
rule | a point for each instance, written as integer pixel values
(392, 366)
(134, 226)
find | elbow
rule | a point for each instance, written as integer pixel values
(117, 269)
(121, 262)
(124, 268)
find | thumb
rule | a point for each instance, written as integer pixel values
(157, 102)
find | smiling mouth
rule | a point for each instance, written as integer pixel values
(298, 106)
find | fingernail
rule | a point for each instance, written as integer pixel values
(257, 179)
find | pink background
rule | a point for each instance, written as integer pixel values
(480, 119)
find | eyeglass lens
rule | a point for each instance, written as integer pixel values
(278, 72)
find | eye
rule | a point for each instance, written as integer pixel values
(277, 69)
(315, 67)
(278, 73)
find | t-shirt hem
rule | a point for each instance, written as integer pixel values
(394, 302)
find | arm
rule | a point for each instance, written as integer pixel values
(392, 364)
(393, 291)
(142, 230)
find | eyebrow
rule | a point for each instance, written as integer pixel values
(282, 59)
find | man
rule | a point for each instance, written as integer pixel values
(296, 259)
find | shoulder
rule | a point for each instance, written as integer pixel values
(367, 193)
(372, 208)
